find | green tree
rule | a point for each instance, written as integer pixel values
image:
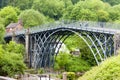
(75, 1)
(22, 4)
(107, 70)
(68, 62)
(13, 47)
(112, 2)
(86, 15)
(67, 12)
(63, 60)
(114, 13)
(52, 8)
(9, 14)
(31, 18)
(67, 3)
(87, 10)
(11, 63)
(103, 16)
(2, 30)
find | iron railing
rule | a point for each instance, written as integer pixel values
(104, 27)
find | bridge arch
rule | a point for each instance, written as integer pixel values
(48, 45)
(80, 35)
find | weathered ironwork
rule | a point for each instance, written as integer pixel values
(46, 40)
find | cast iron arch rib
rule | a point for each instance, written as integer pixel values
(48, 38)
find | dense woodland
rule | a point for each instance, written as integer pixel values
(37, 12)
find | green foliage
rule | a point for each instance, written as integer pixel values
(86, 15)
(114, 13)
(62, 60)
(77, 64)
(67, 62)
(67, 12)
(70, 76)
(112, 2)
(51, 8)
(2, 30)
(56, 66)
(108, 70)
(22, 4)
(41, 71)
(13, 47)
(75, 1)
(88, 10)
(75, 42)
(103, 16)
(31, 18)
(9, 14)
(11, 63)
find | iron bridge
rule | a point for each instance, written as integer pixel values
(41, 41)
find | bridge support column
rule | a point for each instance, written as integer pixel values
(27, 48)
(13, 36)
(116, 43)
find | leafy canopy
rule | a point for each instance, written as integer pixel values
(31, 18)
(52, 8)
(108, 70)
(9, 14)
(11, 60)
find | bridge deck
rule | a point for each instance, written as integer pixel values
(99, 27)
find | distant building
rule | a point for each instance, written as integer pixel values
(76, 52)
(14, 26)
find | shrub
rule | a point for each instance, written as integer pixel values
(41, 71)
(107, 70)
(11, 61)
(70, 63)
(11, 64)
(70, 76)
(15, 48)
(78, 65)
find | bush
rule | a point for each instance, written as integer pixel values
(11, 64)
(78, 65)
(108, 70)
(15, 48)
(32, 18)
(11, 61)
(41, 71)
(70, 76)
(68, 62)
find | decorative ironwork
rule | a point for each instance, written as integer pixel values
(46, 40)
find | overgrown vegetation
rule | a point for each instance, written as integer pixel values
(108, 70)
(11, 59)
(70, 63)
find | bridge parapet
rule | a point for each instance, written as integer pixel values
(110, 28)
(103, 27)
